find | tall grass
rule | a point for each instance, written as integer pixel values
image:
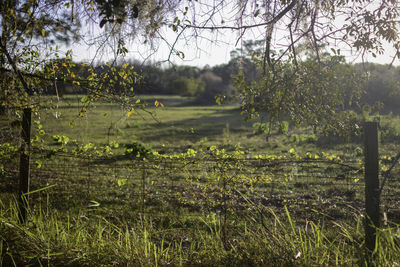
(51, 238)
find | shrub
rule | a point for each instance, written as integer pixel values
(185, 86)
(309, 138)
(295, 138)
(358, 151)
(213, 86)
(137, 149)
(389, 128)
(306, 138)
(283, 127)
(261, 128)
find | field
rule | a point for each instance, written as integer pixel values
(187, 185)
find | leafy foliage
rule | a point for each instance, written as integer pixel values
(382, 86)
(261, 128)
(187, 86)
(307, 94)
(137, 149)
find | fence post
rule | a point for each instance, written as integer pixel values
(24, 164)
(371, 183)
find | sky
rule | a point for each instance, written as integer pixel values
(199, 52)
(196, 53)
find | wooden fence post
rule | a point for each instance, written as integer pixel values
(24, 164)
(371, 183)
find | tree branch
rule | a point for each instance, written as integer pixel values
(245, 27)
(27, 89)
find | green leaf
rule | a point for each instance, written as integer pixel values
(38, 164)
(121, 182)
(84, 99)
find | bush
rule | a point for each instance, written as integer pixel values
(304, 138)
(185, 86)
(309, 138)
(283, 127)
(137, 149)
(214, 86)
(261, 128)
(389, 128)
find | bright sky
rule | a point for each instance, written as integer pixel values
(198, 52)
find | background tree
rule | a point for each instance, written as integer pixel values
(360, 25)
(187, 86)
(305, 87)
(30, 27)
(382, 86)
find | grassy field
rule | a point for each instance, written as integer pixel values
(177, 126)
(187, 185)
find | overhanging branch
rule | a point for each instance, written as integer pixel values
(245, 27)
(27, 89)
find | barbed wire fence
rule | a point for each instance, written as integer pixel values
(230, 188)
(314, 180)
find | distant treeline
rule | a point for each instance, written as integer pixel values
(382, 86)
(207, 83)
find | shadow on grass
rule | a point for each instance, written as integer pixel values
(193, 129)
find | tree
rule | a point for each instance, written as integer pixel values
(29, 27)
(310, 87)
(382, 86)
(322, 94)
(287, 26)
(214, 87)
(360, 24)
(30, 58)
(31, 63)
(187, 86)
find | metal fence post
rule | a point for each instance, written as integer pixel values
(371, 183)
(24, 164)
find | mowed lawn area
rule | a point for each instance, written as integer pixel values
(180, 124)
(177, 124)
